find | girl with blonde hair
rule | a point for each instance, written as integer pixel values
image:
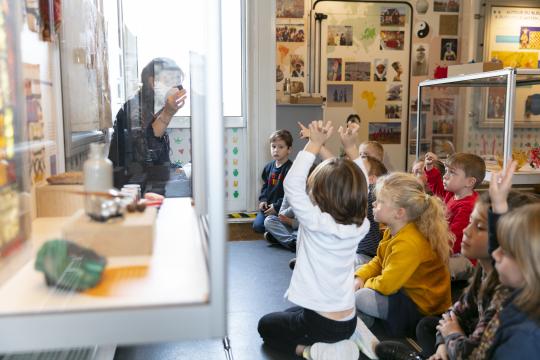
(409, 277)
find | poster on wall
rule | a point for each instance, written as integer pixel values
(392, 40)
(290, 33)
(420, 60)
(290, 9)
(333, 69)
(392, 16)
(449, 48)
(340, 95)
(339, 35)
(513, 38)
(357, 71)
(446, 5)
(385, 132)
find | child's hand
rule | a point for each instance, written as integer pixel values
(318, 134)
(429, 158)
(304, 131)
(449, 324)
(358, 283)
(441, 353)
(286, 220)
(349, 136)
(499, 187)
(263, 205)
(270, 210)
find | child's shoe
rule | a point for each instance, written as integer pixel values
(394, 350)
(270, 238)
(342, 350)
(292, 263)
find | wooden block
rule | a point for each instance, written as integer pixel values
(58, 200)
(132, 235)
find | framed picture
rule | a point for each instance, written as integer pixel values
(520, 23)
(385, 132)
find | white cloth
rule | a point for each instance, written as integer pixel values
(323, 277)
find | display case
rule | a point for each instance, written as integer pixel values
(178, 292)
(494, 114)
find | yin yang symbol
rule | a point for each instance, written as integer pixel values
(422, 29)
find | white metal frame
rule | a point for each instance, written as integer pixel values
(481, 80)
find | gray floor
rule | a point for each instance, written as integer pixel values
(258, 277)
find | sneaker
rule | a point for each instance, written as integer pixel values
(292, 263)
(394, 350)
(342, 350)
(270, 238)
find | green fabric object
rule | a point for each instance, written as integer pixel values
(69, 266)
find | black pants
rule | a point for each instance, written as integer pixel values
(426, 334)
(298, 326)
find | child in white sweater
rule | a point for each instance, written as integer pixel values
(332, 217)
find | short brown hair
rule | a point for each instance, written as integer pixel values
(339, 188)
(473, 165)
(376, 167)
(377, 147)
(282, 134)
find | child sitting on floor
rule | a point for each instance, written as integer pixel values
(273, 175)
(464, 172)
(332, 217)
(408, 278)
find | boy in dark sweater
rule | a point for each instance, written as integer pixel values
(464, 172)
(273, 175)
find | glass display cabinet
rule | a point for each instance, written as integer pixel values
(176, 292)
(494, 114)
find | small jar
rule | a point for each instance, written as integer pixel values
(98, 177)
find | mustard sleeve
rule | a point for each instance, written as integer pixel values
(401, 262)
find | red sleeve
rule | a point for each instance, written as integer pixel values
(435, 183)
(460, 215)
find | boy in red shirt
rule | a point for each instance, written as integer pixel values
(464, 172)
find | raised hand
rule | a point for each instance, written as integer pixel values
(304, 131)
(349, 136)
(429, 158)
(499, 187)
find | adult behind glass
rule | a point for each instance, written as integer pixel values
(140, 148)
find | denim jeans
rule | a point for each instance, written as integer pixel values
(258, 224)
(284, 234)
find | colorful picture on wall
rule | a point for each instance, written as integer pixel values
(385, 132)
(290, 9)
(529, 38)
(392, 40)
(449, 49)
(392, 16)
(357, 71)
(398, 70)
(443, 126)
(339, 35)
(446, 5)
(339, 95)
(393, 92)
(297, 65)
(444, 106)
(420, 61)
(333, 72)
(290, 33)
(496, 103)
(392, 111)
(380, 66)
(297, 87)
(518, 59)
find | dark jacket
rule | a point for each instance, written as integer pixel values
(272, 190)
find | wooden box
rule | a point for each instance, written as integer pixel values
(306, 99)
(132, 235)
(58, 200)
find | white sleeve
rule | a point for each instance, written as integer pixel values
(295, 188)
(358, 161)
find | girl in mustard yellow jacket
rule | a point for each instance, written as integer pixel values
(409, 277)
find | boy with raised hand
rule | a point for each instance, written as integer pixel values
(273, 175)
(464, 172)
